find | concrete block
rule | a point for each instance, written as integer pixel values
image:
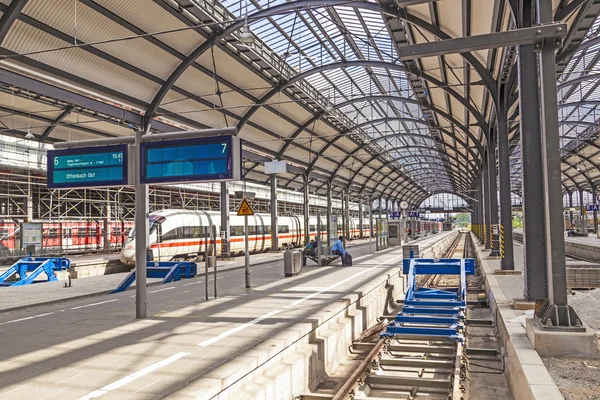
(521, 304)
(546, 392)
(561, 344)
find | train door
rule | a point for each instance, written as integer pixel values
(259, 238)
(300, 237)
(207, 232)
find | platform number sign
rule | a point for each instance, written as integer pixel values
(88, 167)
(592, 207)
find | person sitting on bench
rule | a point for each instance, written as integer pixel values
(338, 249)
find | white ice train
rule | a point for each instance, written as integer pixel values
(179, 234)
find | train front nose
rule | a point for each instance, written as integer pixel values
(128, 254)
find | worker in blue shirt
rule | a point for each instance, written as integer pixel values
(338, 249)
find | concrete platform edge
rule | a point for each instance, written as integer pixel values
(526, 373)
(100, 293)
(295, 361)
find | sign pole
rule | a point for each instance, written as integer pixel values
(206, 261)
(370, 225)
(141, 236)
(246, 253)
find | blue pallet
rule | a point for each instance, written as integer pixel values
(432, 312)
(431, 303)
(425, 319)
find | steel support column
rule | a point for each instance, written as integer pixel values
(486, 204)
(559, 313)
(360, 217)
(343, 217)
(506, 239)
(571, 209)
(492, 182)
(534, 244)
(347, 224)
(329, 213)
(582, 216)
(306, 212)
(274, 238)
(225, 231)
(481, 205)
(595, 202)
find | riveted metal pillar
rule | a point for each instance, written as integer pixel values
(481, 205)
(329, 213)
(486, 203)
(582, 216)
(494, 226)
(225, 231)
(559, 313)
(274, 233)
(571, 209)
(534, 243)
(306, 212)
(360, 217)
(476, 217)
(347, 224)
(344, 222)
(506, 239)
(595, 202)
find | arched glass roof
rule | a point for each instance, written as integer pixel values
(320, 86)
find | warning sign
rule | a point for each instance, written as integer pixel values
(245, 208)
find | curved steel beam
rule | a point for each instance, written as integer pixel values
(384, 165)
(403, 157)
(55, 123)
(388, 119)
(366, 63)
(297, 6)
(389, 98)
(9, 17)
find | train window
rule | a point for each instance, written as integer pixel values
(197, 232)
(81, 232)
(252, 230)
(171, 235)
(260, 230)
(236, 231)
(283, 229)
(187, 232)
(312, 228)
(52, 233)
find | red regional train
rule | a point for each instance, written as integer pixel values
(70, 236)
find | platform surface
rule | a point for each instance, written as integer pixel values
(84, 349)
(12, 298)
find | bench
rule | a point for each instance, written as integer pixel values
(325, 259)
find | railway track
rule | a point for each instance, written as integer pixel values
(423, 364)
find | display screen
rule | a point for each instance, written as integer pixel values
(88, 167)
(203, 159)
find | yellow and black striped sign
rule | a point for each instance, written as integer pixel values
(502, 241)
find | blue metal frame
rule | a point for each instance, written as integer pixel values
(432, 312)
(168, 270)
(37, 266)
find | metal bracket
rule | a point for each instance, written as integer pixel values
(556, 42)
(557, 318)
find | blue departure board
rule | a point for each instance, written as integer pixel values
(191, 160)
(87, 167)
